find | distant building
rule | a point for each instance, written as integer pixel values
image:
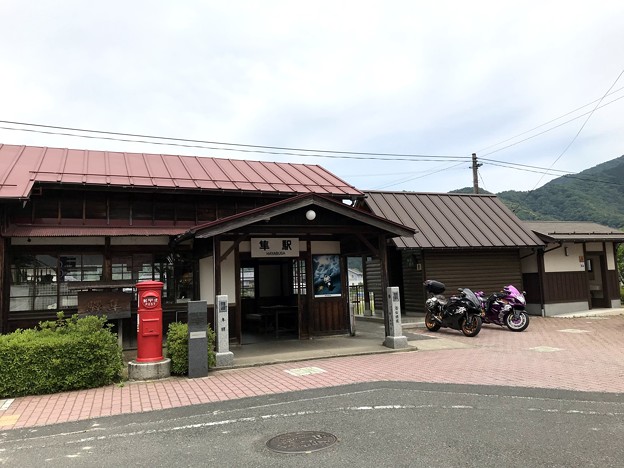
(576, 271)
(355, 276)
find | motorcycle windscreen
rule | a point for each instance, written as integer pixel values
(468, 294)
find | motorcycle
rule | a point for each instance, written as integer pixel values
(505, 308)
(460, 312)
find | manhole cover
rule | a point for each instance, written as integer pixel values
(301, 442)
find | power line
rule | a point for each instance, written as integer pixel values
(507, 163)
(551, 128)
(571, 175)
(554, 120)
(409, 179)
(204, 142)
(582, 126)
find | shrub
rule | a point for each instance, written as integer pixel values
(177, 347)
(61, 355)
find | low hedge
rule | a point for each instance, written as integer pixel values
(61, 355)
(177, 347)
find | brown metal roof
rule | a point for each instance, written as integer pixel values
(86, 231)
(22, 166)
(445, 220)
(574, 231)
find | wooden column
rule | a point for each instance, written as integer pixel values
(107, 272)
(383, 265)
(367, 305)
(606, 291)
(4, 287)
(541, 273)
(216, 256)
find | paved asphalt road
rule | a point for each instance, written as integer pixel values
(376, 424)
(550, 396)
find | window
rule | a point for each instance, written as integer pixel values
(81, 267)
(185, 209)
(77, 267)
(44, 282)
(72, 205)
(33, 282)
(119, 208)
(96, 206)
(38, 281)
(299, 276)
(47, 208)
(165, 206)
(175, 271)
(142, 209)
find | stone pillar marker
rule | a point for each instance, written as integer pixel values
(224, 357)
(197, 339)
(395, 338)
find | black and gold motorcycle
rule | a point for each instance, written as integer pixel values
(459, 312)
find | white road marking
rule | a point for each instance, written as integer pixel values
(545, 349)
(305, 371)
(5, 404)
(573, 330)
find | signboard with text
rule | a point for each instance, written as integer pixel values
(113, 304)
(262, 247)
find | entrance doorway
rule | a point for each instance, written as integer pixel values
(273, 298)
(596, 276)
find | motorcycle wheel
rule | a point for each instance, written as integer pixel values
(431, 323)
(474, 328)
(519, 324)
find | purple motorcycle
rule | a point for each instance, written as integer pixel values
(505, 308)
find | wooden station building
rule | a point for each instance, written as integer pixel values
(80, 228)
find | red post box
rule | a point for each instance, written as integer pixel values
(149, 321)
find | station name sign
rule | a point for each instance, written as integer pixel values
(262, 247)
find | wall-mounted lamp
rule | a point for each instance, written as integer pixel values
(565, 251)
(310, 215)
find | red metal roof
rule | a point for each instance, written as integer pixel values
(22, 166)
(444, 220)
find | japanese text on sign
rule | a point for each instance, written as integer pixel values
(274, 247)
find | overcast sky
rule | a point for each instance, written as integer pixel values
(437, 78)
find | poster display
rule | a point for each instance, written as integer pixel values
(327, 279)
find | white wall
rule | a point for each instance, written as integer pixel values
(206, 282)
(557, 261)
(228, 273)
(228, 278)
(528, 261)
(140, 240)
(325, 247)
(57, 241)
(610, 256)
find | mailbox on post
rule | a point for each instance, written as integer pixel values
(149, 321)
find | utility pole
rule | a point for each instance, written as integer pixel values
(475, 173)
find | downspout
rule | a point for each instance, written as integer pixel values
(539, 252)
(559, 245)
(540, 279)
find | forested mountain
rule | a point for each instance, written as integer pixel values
(596, 195)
